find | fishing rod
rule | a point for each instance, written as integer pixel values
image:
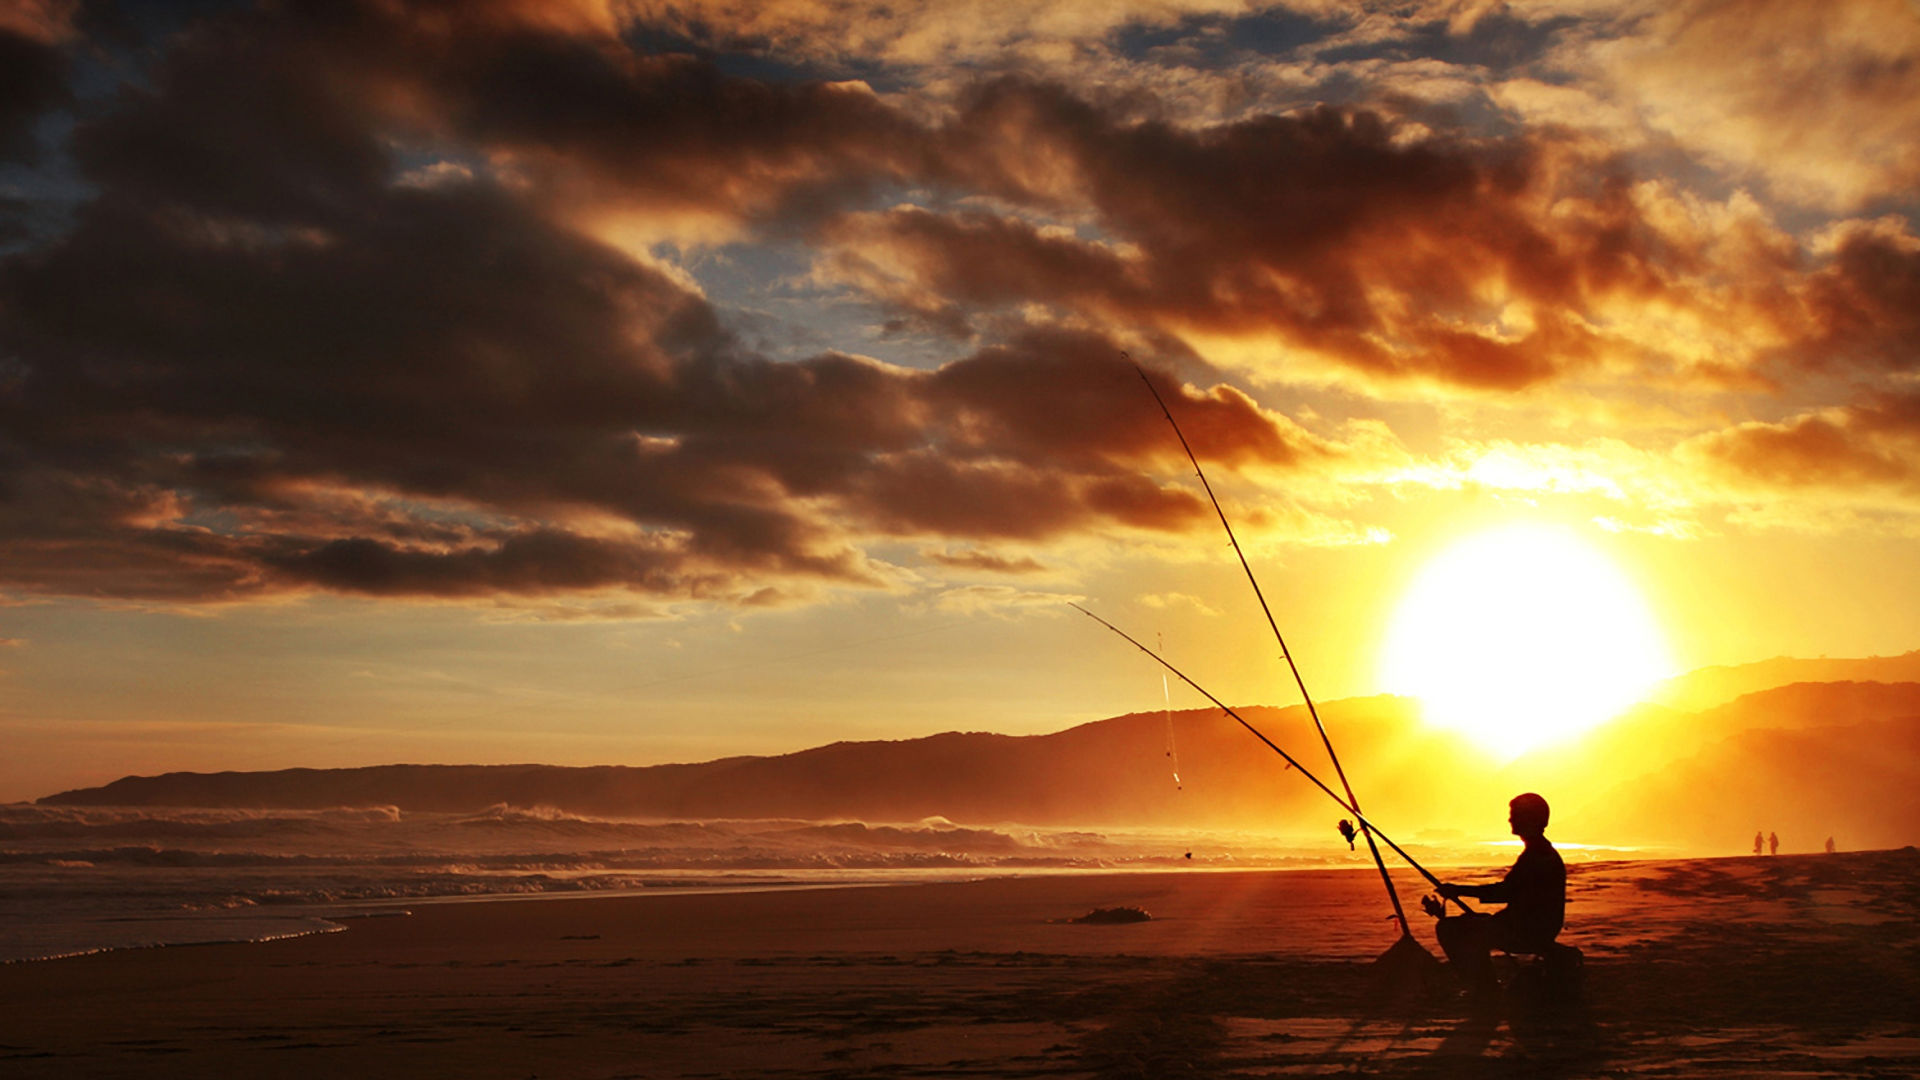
(1353, 801)
(1273, 746)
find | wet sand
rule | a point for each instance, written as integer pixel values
(1796, 965)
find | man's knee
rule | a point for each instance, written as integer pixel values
(1504, 935)
(1461, 931)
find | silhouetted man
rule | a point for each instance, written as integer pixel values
(1759, 842)
(1773, 843)
(1534, 890)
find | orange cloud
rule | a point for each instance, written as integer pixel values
(1382, 247)
(48, 22)
(1819, 102)
(452, 395)
(1863, 305)
(1868, 450)
(915, 32)
(339, 308)
(976, 559)
(1394, 253)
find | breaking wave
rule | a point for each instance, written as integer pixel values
(30, 822)
(508, 836)
(76, 879)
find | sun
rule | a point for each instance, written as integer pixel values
(1522, 636)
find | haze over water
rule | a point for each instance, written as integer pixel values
(76, 880)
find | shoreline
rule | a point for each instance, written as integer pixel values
(1249, 972)
(334, 916)
(329, 916)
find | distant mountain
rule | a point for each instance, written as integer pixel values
(1858, 783)
(1113, 772)
(1805, 760)
(1710, 686)
(1651, 737)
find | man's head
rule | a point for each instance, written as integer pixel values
(1527, 814)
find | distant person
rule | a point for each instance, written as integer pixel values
(1773, 843)
(1759, 842)
(1829, 845)
(1534, 890)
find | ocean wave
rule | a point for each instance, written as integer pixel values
(945, 835)
(141, 855)
(30, 813)
(28, 822)
(75, 878)
(28, 827)
(507, 839)
(498, 863)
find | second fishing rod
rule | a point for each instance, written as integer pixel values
(1366, 824)
(1352, 801)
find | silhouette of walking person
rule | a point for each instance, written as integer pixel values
(1829, 845)
(1759, 842)
(1534, 890)
(1773, 843)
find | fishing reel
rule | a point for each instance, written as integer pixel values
(1433, 905)
(1348, 832)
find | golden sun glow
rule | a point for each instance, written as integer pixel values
(1523, 636)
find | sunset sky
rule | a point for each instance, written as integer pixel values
(485, 381)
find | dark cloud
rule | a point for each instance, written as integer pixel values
(245, 116)
(1380, 247)
(671, 132)
(297, 111)
(536, 561)
(1338, 230)
(952, 265)
(1863, 306)
(445, 347)
(1869, 446)
(1052, 398)
(447, 395)
(33, 81)
(265, 358)
(342, 314)
(975, 559)
(1333, 228)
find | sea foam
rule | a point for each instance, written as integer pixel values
(80, 879)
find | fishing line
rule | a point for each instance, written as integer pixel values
(1365, 823)
(1166, 691)
(1352, 800)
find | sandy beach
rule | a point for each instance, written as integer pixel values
(1797, 965)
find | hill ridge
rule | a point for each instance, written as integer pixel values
(1656, 774)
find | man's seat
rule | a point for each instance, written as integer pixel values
(1555, 974)
(1554, 954)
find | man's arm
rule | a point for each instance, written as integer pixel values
(1499, 892)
